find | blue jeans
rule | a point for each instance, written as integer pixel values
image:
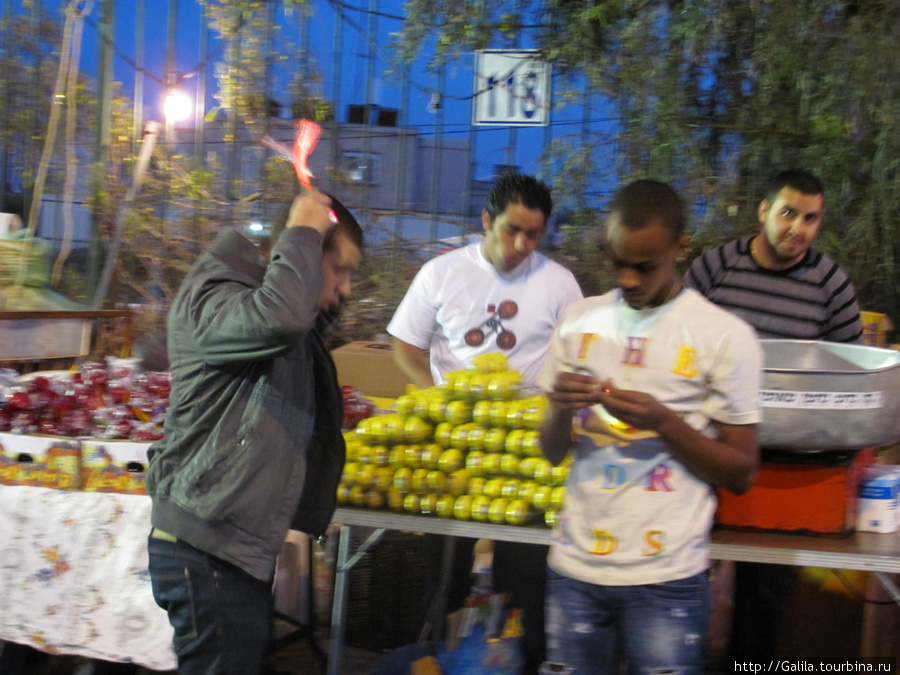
(221, 615)
(657, 628)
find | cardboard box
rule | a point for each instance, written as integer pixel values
(804, 496)
(370, 367)
(42, 461)
(875, 328)
(114, 465)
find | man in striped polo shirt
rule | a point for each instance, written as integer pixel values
(785, 289)
(775, 280)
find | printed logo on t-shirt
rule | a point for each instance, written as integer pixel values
(686, 362)
(656, 479)
(653, 543)
(506, 339)
(613, 477)
(604, 543)
(586, 340)
(635, 349)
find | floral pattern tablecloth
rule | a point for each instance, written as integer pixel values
(73, 576)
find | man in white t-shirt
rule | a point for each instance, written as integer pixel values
(654, 389)
(497, 295)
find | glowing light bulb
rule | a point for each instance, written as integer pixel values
(178, 106)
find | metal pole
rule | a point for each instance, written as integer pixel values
(200, 103)
(343, 564)
(232, 155)
(104, 113)
(341, 584)
(115, 238)
(4, 96)
(370, 97)
(436, 157)
(548, 129)
(585, 130)
(139, 38)
(402, 163)
(513, 130)
(470, 172)
(34, 134)
(171, 76)
(260, 208)
(104, 119)
(336, 90)
(304, 46)
(511, 148)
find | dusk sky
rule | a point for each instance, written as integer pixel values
(491, 143)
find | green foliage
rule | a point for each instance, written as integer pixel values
(450, 28)
(716, 96)
(248, 29)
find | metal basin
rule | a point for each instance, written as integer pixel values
(819, 396)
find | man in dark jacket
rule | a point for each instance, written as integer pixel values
(253, 443)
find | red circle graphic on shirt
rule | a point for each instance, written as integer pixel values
(474, 337)
(506, 340)
(508, 309)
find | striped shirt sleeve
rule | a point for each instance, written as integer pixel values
(814, 300)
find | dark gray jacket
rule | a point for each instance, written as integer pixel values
(255, 410)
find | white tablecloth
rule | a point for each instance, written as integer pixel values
(73, 576)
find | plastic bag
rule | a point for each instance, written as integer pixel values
(479, 655)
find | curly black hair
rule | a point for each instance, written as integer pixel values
(517, 188)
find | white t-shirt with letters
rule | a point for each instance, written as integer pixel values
(632, 513)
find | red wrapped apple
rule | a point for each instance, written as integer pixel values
(356, 407)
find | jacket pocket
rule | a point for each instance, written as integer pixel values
(244, 482)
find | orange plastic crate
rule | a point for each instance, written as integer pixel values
(799, 493)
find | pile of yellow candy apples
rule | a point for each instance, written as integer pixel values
(467, 449)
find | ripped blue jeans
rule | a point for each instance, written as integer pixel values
(655, 629)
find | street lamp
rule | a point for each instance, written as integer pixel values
(178, 105)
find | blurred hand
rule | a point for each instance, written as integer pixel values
(311, 209)
(640, 410)
(573, 391)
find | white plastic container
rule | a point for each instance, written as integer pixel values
(878, 506)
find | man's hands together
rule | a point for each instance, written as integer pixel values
(573, 391)
(728, 461)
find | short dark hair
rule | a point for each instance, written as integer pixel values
(518, 188)
(798, 179)
(647, 202)
(346, 225)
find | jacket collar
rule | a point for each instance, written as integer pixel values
(238, 252)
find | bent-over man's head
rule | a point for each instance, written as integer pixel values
(645, 238)
(514, 220)
(341, 251)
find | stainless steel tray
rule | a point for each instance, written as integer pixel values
(819, 396)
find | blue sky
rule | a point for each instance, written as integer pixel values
(492, 144)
